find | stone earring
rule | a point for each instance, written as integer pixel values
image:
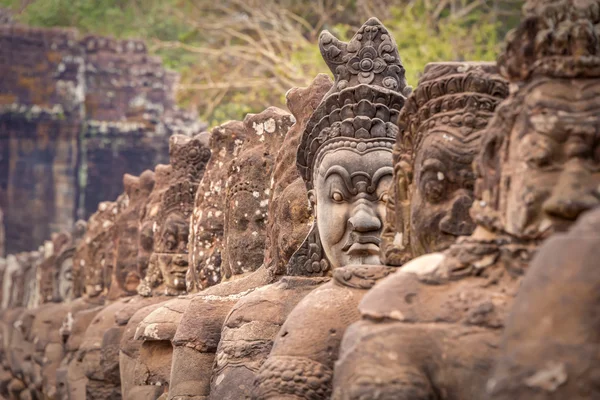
(309, 259)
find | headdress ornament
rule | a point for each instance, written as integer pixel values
(361, 109)
(556, 38)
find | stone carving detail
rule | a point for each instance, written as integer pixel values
(440, 134)
(127, 273)
(548, 346)
(207, 220)
(345, 159)
(246, 204)
(168, 264)
(371, 57)
(249, 329)
(443, 314)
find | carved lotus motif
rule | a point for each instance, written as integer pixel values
(366, 64)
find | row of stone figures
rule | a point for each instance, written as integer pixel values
(378, 242)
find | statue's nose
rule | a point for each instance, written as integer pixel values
(181, 260)
(458, 222)
(364, 219)
(573, 195)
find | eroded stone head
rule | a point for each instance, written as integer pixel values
(126, 275)
(248, 191)
(540, 166)
(290, 213)
(94, 256)
(64, 288)
(345, 155)
(208, 217)
(440, 134)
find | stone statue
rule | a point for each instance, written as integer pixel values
(99, 347)
(249, 329)
(208, 217)
(169, 262)
(70, 376)
(548, 349)
(248, 190)
(549, 346)
(442, 315)
(206, 236)
(345, 159)
(440, 134)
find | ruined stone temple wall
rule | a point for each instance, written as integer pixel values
(76, 113)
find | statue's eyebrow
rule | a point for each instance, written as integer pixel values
(342, 173)
(432, 164)
(380, 173)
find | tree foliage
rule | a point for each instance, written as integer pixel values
(240, 56)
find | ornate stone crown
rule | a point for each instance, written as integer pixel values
(189, 156)
(245, 186)
(361, 109)
(458, 95)
(556, 38)
(178, 198)
(454, 100)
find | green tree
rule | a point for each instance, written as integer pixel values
(240, 56)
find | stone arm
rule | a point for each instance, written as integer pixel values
(300, 365)
(248, 334)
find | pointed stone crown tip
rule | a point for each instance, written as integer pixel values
(370, 58)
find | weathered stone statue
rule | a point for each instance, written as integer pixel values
(208, 218)
(168, 264)
(441, 316)
(345, 159)
(206, 236)
(70, 376)
(440, 134)
(550, 343)
(18, 352)
(99, 348)
(549, 346)
(249, 329)
(248, 190)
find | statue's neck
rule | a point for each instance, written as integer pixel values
(361, 276)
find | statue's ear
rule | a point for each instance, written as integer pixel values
(395, 236)
(403, 197)
(312, 197)
(488, 168)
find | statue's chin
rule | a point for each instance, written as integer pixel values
(362, 259)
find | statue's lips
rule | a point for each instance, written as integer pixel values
(179, 268)
(178, 273)
(361, 244)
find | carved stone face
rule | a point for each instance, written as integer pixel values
(94, 279)
(126, 269)
(65, 279)
(554, 157)
(442, 194)
(171, 251)
(292, 216)
(349, 192)
(145, 246)
(245, 233)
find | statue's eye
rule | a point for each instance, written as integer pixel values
(171, 243)
(384, 197)
(434, 190)
(337, 197)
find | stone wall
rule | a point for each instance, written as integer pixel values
(75, 115)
